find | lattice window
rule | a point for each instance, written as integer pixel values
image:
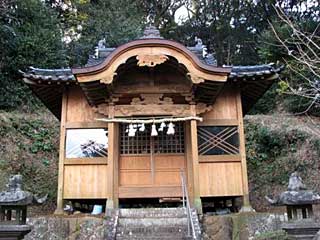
(143, 142)
(218, 140)
(164, 143)
(139, 144)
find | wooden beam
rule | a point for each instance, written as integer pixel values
(116, 155)
(113, 158)
(150, 192)
(152, 109)
(86, 161)
(188, 157)
(246, 201)
(193, 162)
(219, 158)
(59, 209)
(219, 122)
(94, 124)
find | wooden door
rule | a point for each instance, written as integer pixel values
(149, 167)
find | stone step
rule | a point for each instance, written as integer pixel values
(164, 237)
(152, 212)
(152, 222)
(301, 237)
(152, 230)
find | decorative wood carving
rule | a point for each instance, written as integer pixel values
(107, 79)
(142, 108)
(151, 60)
(202, 108)
(114, 98)
(189, 97)
(147, 99)
(172, 88)
(102, 109)
(152, 109)
(195, 79)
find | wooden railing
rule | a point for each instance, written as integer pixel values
(186, 205)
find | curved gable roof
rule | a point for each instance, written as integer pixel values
(151, 47)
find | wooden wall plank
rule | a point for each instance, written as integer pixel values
(225, 106)
(134, 162)
(169, 161)
(78, 108)
(220, 179)
(135, 170)
(135, 178)
(150, 192)
(86, 182)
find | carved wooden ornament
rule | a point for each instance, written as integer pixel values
(108, 78)
(195, 79)
(148, 99)
(102, 109)
(202, 108)
(151, 60)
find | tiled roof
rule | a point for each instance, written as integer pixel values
(58, 75)
(252, 71)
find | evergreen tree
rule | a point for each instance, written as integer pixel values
(30, 36)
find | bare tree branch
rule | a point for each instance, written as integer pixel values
(303, 49)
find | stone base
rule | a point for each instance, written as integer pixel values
(301, 229)
(245, 209)
(59, 211)
(14, 232)
(72, 227)
(198, 205)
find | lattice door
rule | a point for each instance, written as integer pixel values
(147, 161)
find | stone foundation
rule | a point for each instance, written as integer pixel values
(71, 228)
(242, 226)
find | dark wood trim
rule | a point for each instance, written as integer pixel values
(155, 154)
(150, 192)
(219, 122)
(219, 158)
(79, 125)
(86, 161)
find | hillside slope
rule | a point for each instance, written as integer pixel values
(276, 146)
(29, 146)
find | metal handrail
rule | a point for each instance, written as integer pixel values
(186, 204)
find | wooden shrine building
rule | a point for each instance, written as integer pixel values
(136, 115)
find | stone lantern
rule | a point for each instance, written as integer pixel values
(299, 202)
(297, 199)
(13, 209)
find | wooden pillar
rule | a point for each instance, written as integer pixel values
(193, 162)
(188, 156)
(59, 209)
(246, 202)
(113, 161)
